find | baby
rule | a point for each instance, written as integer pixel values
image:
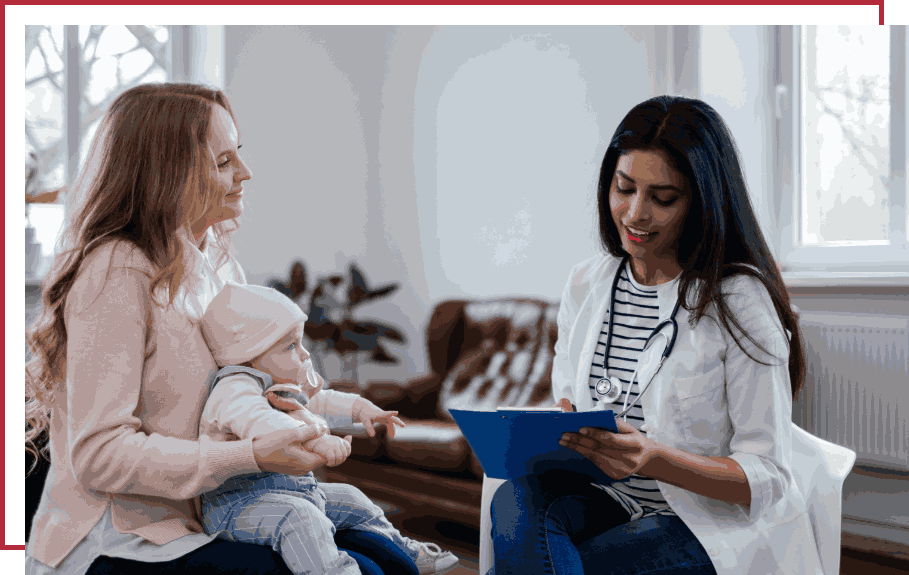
(255, 335)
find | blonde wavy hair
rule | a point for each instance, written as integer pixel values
(147, 177)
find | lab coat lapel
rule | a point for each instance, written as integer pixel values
(649, 361)
(600, 296)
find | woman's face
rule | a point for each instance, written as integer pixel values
(649, 201)
(287, 361)
(229, 171)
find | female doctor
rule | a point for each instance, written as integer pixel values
(684, 329)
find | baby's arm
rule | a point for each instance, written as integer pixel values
(335, 406)
(238, 406)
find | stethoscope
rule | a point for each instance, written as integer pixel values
(609, 389)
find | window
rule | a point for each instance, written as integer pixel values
(64, 103)
(841, 149)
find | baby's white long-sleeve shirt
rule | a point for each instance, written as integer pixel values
(237, 409)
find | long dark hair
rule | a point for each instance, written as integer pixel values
(720, 232)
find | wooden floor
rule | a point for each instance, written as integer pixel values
(854, 562)
(869, 556)
(851, 563)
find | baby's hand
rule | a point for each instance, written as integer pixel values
(366, 412)
(334, 449)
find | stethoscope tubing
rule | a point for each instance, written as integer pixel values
(657, 331)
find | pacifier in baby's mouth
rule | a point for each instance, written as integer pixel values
(309, 379)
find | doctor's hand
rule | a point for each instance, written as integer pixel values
(618, 455)
(564, 405)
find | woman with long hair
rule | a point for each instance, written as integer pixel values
(119, 369)
(682, 327)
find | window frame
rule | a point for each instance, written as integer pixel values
(833, 265)
(183, 43)
(192, 54)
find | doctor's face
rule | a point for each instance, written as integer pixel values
(649, 201)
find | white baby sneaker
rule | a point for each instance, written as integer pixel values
(432, 560)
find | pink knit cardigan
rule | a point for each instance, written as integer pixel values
(124, 427)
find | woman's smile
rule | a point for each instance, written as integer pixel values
(638, 235)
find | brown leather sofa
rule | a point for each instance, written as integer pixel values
(482, 354)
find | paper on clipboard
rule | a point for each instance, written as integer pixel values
(512, 444)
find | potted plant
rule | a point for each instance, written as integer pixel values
(332, 325)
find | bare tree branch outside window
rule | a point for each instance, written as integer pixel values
(113, 59)
(847, 128)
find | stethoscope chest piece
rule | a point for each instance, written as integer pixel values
(609, 389)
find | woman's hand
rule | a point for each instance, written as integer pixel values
(281, 451)
(281, 403)
(618, 455)
(367, 413)
(564, 405)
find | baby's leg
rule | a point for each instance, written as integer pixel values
(294, 527)
(349, 508)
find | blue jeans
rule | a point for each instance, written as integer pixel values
(298, 517)
(374, 554)
(559, 524)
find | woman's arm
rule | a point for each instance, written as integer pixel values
(759, 394)
(107, 321)
(717, 477)
(630, 451)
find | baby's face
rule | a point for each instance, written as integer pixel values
(288, 362)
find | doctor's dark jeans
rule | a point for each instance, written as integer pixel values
(559, 524)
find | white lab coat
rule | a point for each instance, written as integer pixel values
(711, 399)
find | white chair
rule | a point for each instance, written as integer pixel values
(818, 467)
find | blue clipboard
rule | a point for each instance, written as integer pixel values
(513, 444)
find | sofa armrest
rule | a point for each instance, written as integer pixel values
(415, 399)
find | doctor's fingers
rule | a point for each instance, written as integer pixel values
(628, 438)
(574, 441)
(614, 468)
(600, 439)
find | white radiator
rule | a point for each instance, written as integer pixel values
(856, 391)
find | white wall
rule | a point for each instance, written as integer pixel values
(734, 76)
(460, 161)
(511, 124)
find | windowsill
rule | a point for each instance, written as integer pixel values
(883, 282)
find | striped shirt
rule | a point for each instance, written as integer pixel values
(637, 314)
